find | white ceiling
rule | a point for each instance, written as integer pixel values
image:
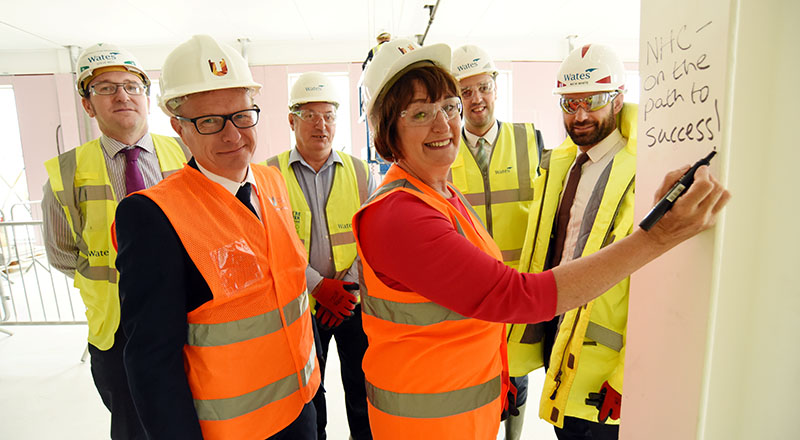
(34, 33)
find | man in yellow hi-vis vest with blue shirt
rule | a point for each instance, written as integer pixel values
(495, 167)
(326, 187)
(584, 202)
(80, 198)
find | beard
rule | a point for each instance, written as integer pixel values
(602, 128)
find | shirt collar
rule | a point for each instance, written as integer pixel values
(294, 156)
(490, 136)
(231, 186)
(113, 146)
(603, 147)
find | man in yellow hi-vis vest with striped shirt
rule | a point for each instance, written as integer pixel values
(326, 187)
(495, 167)
(85, 184)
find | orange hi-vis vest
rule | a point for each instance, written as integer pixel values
(431, 373)
(250, 358)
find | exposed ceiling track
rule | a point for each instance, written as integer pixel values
(432, 14)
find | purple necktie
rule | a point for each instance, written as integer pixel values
(133, 176)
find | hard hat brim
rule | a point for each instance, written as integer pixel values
(439, 54)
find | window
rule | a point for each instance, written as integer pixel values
(158, 121)
(342, 139)
(503, 110)
(13, 184)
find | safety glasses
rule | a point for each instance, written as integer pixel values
(424, 113)
(483, 88)
(590, 103)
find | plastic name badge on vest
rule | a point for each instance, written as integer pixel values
(237, 265)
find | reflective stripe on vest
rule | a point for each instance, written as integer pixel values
(212, 335)
(604, 336)
(231, 407)
(433, 405)
(80, 182)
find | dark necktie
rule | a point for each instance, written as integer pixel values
(243, 194)
(134, 181)
(562, 218)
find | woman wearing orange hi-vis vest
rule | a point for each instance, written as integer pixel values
(436, 292)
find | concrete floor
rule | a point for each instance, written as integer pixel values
(47, 393)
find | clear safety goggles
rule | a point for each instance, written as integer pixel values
(424, 113)
(590, 103)
(314, 116)
(483, 88)
(109, 88)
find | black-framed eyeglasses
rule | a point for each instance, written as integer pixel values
(314, 116)
(211, 124)
(110, 88)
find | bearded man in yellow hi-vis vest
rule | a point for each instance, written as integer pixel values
(326, 188)
(495, 167)
(85, 184)
(584, 202)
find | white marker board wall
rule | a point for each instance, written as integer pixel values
(683, 65)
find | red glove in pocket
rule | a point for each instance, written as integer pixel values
(608, 402)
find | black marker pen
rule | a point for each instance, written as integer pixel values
(676, 191)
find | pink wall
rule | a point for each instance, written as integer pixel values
(45, 101)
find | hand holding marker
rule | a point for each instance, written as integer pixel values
(676, 191)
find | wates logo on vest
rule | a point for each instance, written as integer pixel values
(101, 253)
(220, 70)
(467, 66)
(344, 226)
(503, 171)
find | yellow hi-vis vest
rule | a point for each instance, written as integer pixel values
(590, 345)
(81, 185)
(348, 193)
(502, 202)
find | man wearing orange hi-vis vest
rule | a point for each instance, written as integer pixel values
(214, 299)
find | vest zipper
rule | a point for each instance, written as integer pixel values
(566, 349)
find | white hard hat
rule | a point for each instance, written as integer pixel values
(393, 57)
(471, 60)
(591, 68)
(313, 87)
(103, 57)
(200, 65)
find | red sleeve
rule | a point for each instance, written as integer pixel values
(413, 247)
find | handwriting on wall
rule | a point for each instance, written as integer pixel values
(678, 80)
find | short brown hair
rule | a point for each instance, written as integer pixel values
(436, 81)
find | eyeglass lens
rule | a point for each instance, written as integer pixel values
(423, 113)
(109, 88)
(590, 103)
(215, 123)
(313, 116)
(483, 88)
